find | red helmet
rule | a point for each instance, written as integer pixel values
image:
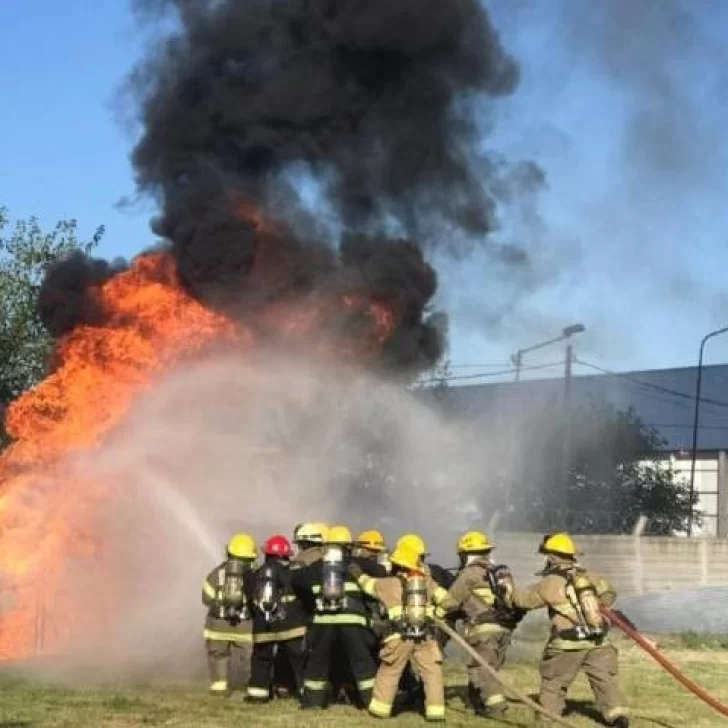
(277, 546)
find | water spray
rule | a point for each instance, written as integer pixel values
(182, 510)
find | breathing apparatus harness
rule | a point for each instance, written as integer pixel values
(333, 579)
(268, 594)
(500, 581)
(416, 622)
(582, 596)
(231, 598)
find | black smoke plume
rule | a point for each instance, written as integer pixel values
(64, 301)
(375, 102)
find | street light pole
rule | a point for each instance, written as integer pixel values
(566, 451)
(517, 358)
(696, 420)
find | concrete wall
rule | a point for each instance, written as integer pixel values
(636, 566)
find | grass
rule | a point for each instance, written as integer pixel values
(699, 641)
(655, 698)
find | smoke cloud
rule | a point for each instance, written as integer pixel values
(364, 95)
(294, 147)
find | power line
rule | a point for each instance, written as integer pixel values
(483, 365)
(650, 385)
(687, 426)
(480, 375)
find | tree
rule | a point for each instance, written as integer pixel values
(26, 251)
(617, 474)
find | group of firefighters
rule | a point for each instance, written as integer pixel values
(344, 616)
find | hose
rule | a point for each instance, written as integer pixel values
(622, 623)
(517, 694)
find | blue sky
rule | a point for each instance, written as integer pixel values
(624, 110)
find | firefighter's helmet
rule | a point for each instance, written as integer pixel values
(371, 540)
(406, 557)
(242, 546)
(277, 546)
(339, 535)
(309, 533)
(558, 544)
(474, 542)
(414, 542)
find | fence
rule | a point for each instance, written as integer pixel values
(635, 565)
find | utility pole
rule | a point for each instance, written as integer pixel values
(566, 451)
(517, 359)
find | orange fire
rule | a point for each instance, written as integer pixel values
(152, 324)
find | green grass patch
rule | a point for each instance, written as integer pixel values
(655, 698)
(699, 641)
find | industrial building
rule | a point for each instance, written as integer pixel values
(662, 398)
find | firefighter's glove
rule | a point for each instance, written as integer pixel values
(355, 571)
(504, 583)
(440, 612)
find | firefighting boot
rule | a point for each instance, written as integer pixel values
(257, 695)
(218, 675)
(315, 698)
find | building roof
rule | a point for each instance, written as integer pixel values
(661, 398)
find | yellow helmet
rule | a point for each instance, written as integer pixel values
(414, 542)
(242, 546)
(372, 540)
(474, 542)
(406, 557)
(310, 533)
(339, 535)
(559, 544)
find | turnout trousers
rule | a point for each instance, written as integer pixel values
(426, 658)
(229, 664)
(559, 668)
(265, 657)
(323, 641)
(492, 647)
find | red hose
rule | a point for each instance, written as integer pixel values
(633, 634)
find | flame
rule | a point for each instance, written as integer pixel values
(48, 512)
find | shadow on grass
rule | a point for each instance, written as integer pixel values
(17, 724)
(460, 692)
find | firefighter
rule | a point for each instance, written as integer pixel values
(411, 684)
(490, 621)
(279, 622)
(579, 637)
(229, 627)
(409, 596)
(340, 620)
